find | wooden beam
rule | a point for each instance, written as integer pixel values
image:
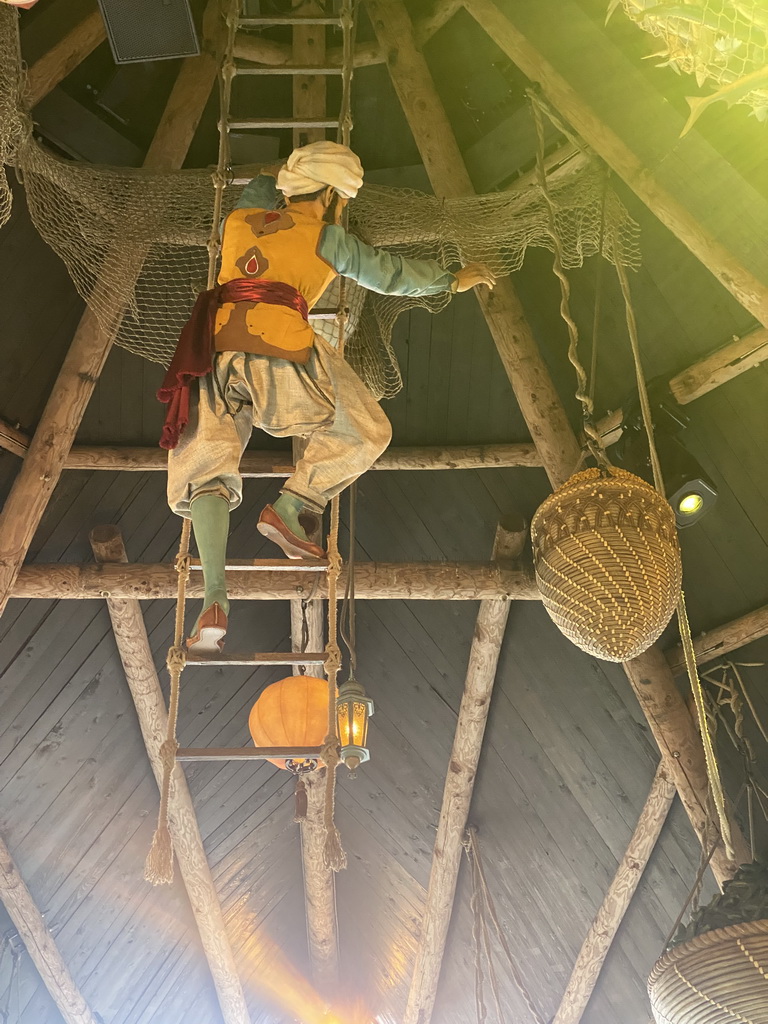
(275, 464)
(659, 184)
(736, 357)
(72, 49)
(35, 482)
(603, 930)
(43, 951)
(675, 733)
(459, 784)
(377, 581)
(539, 403)
(703, 376)
(308, 634)
(723, 639)
(309, 91)
(533, 387)
(141, 676)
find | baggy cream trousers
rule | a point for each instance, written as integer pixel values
(323, 400)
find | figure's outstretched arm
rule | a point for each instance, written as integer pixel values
(390, 274)
(261, 192)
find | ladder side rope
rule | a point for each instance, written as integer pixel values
(158, 867)
(334, 856)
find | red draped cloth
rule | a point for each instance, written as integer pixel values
(194, 353)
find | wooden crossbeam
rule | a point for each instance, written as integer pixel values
(40, 472)
(701, 377)
(459, 783)
(144, 685)
(273, 464)
(43, 951)
(603, 930)
(378, 581)
(723, 639)
(70, 51)
(656, 166)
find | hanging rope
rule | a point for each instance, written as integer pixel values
(689, 653)
(485, 912)
(334, 856)
(593, 441)
(158, 868)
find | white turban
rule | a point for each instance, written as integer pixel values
(318, 165)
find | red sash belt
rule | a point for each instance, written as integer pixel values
(193, 357)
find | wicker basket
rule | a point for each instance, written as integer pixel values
(719, 977)
(607, 562)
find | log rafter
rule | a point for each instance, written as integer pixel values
(62, 58)
(39, 943)
(484, 654)
(273, 464)
(144, 685)
(627, 160)
(602, 932)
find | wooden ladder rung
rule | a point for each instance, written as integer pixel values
(323, 314)
(272, 564)
(288, 122)
(286, 69)
(286, 20)
(245, 753)
(265, 658)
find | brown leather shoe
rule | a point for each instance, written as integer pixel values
(211, 630)
(270, 525)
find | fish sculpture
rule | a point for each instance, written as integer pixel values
(730, 94)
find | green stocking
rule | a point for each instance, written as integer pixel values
(210, 521)
(289, 507)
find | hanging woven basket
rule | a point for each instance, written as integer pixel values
(716, 978)
(607, 562)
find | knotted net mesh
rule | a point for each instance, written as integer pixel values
(724, 42)
(134, 241)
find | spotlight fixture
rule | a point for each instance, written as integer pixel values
(690, 491)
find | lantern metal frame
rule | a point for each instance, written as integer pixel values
(350, 694)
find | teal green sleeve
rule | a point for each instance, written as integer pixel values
(379, 270)
(259, 194)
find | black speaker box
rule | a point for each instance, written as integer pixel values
(149, 29)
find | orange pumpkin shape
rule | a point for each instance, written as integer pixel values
(292, 712)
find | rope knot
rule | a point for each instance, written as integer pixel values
(176, 659)
(183, 564)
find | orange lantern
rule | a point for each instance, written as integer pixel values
(292, 712)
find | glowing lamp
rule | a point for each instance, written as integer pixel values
(353, 709)
(291, 713)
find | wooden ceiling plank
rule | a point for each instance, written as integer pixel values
(70, 51)
(35, 482)
(136, 656)
(43, 951)
(459, 783)
(379, 581)
(502, 309)
(603, 930)
(539, 403)
(738, 356)
(277, 464)
(661, 187)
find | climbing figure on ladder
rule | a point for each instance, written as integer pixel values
(249, 357)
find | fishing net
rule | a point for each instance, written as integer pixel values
(134, 241)
(719, 41)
